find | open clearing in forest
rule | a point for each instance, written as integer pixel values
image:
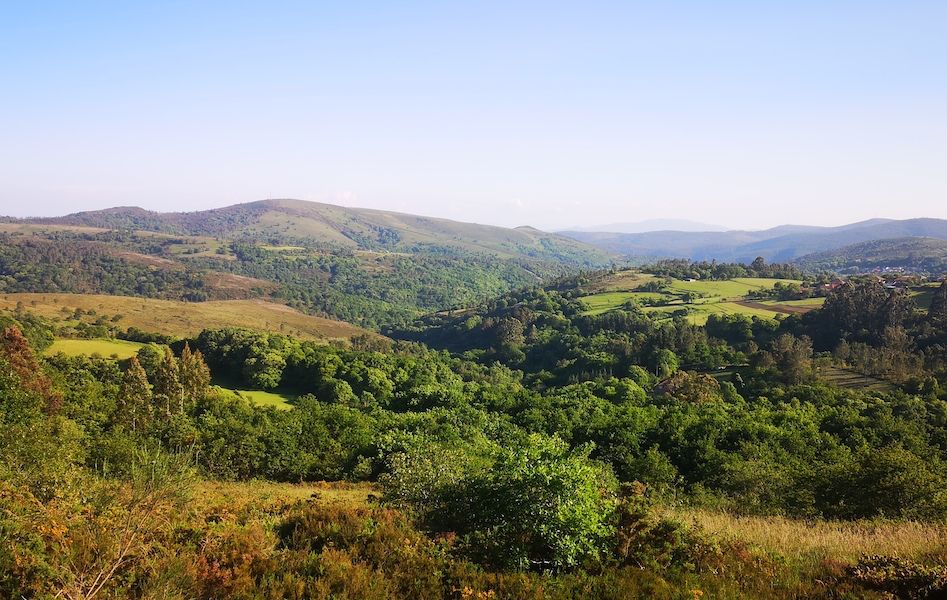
(846, 378)
(103, 347)
(712, 297)
(185, 319)
(275, 398)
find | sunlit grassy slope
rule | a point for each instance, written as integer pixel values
(712, 296)
(276, 399)
(698, 313)
(183, 319)
(102, 347)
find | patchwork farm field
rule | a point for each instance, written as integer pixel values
(606, 301)
(698, 313)
(703, 298)
(182, 319)
(730, 288)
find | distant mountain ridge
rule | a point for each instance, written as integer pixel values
(298, 221)
(652, 225)
(778, 244)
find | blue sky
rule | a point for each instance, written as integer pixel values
(747, 114)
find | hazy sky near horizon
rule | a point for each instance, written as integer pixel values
(553, 114)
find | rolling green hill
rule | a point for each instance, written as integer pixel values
(369, 267)
(290, 222)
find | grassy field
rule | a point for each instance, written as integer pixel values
(699, 313)
(729, 289)
(621, 281)
(922, 297)
(183, 319)
(351, 494)
(718, 297)
(277, 399)
(119, 348)
(606, 301)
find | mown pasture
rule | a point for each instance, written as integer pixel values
(103, 347)
(274, 398)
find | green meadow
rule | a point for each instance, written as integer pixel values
(713, 297)
(103, 347)
(280, 401)
(698, 313)
(729, 289)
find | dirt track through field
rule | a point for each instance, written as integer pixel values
(779, 308)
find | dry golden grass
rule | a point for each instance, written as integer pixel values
(185, 319)
(237, 497)
(792, 538)
(839, 540)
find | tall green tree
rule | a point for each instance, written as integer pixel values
(793, 357)
(938, 307)
(134, 401)
(194, 376)
(168, 390)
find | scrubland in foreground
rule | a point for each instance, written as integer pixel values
(199, 539)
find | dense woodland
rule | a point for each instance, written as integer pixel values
(686, 269)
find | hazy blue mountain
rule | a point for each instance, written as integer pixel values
(653, 225)
(782, 243)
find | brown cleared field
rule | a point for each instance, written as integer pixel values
(184, 319)
(28, 228)
(786, 309)
(851, 379)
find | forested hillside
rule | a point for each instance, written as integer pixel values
(925, 256)
(366, 288)
(371, 268)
